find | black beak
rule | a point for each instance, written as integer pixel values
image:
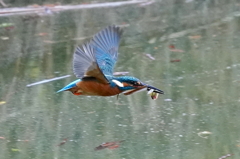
(154, 89)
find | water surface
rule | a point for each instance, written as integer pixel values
(200, 80)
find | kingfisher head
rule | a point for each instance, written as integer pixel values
(127, 82)
(129, 85)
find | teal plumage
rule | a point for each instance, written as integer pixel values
(106, 45)
(93, 64)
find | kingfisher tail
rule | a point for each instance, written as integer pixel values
(69, 86)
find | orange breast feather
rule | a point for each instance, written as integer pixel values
(96, 88)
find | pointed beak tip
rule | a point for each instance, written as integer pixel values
(156, 89)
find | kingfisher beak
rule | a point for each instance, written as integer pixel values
(153, 91)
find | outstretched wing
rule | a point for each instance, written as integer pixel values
(105, 44)
(85, 64)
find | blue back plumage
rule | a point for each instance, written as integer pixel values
(105, 44)
(127, 79)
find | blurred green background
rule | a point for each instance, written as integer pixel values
(196, 61)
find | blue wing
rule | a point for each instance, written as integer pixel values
(105, 44)
(85, 64)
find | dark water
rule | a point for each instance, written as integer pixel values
(198, 117)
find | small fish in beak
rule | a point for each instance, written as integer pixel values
(154, 92)
(154, 95)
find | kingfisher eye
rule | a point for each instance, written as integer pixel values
(136, 83)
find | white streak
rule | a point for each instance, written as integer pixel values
(118, 83)
(47, 80)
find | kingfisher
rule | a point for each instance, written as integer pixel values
(93, 65)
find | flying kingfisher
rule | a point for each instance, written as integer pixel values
(93, 64)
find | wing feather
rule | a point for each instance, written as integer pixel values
(97, 58)
(85, 64)
(106, 44)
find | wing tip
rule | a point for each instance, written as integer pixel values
(116, 28)
(111, 28)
